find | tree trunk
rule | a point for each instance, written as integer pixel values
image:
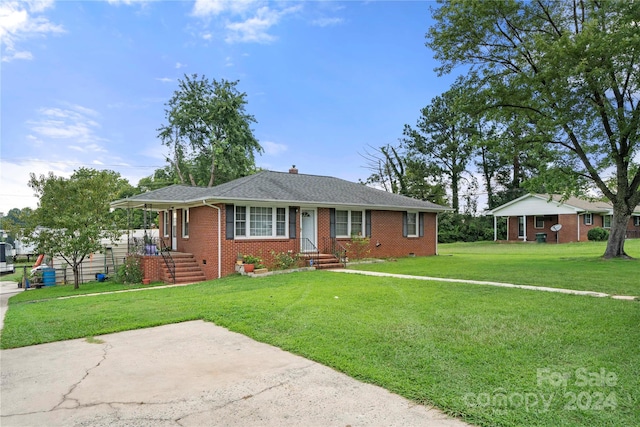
(455, 198)
(617, 234)
(76, 276)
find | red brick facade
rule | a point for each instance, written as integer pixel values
(386, 238)
(573, 229)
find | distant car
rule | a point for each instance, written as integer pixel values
(6, 258)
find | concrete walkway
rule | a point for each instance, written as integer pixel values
(188, 374)
(480, 282)
(7, 290)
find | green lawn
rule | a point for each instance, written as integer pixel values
(572, 266)
(460, 347)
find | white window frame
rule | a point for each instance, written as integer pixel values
(166, 223)
(185, 222)
(350, 230)
(247, 222)
(417, 222)
(590, 221)
(535, 222)
(636, 221)
(604, 221)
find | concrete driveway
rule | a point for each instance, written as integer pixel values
(189, 374)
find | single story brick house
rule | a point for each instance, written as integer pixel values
(531, 214)
(285, 212)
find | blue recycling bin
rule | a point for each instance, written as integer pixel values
(49, 277)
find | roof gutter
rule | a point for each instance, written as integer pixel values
(204, 202)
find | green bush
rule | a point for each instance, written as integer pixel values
(285, 260)
(358, 248)
(130, 271)
(598, 234)
(453, 227)
(253, 259)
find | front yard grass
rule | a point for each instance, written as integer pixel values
(489, 355)
(52, 292)
(572, 266)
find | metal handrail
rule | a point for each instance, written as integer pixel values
(335, 248)
(168, 259)
(311, 251)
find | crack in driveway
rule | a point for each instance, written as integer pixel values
(66, 397)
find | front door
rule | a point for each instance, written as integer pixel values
(308, 230)
(174, 230)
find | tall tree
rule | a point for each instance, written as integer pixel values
(392, 170)
(572, 70)
(209, 132)
(73, 214)
(443, 140)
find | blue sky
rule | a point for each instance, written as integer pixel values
(84, 83)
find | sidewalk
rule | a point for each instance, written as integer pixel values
(7, 290)
(480, 282)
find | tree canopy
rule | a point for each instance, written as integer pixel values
(73, 214)
(209, 132)
(571, 71)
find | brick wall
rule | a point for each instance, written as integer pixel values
(568, 233)
(202, 242)
(151, 267)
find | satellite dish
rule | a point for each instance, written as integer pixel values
(556, 227)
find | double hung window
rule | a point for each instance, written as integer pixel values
(260, 221)
(349, 223)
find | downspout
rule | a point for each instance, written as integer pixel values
(204, 202)
(437, 216)
(578, 215)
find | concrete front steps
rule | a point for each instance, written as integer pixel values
(323, 261)
(187, 269)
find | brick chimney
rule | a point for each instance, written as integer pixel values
(293, 169)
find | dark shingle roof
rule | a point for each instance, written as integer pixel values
(280, 187)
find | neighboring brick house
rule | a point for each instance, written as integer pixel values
(286, 212)
(531, 214)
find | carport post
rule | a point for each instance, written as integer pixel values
(495, 228)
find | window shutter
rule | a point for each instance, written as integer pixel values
(367, 221)
(292, 222)
(230, 219)
(332, 223)
(405, 225)
(421, 220)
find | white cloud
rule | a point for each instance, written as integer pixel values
(126, 2)
(245, 21)
(327, 22)
(164, 79)
(255, 29)
(89, 148)
(17, 55)
(180, 65)
(14, 175)
(18, 22)
(208, 8)
(273, 148)
(74, 123)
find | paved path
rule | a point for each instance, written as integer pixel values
(480, 282)
(7, 290)
(188, 374)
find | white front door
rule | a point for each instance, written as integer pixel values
(174, 230)
(308, 230)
